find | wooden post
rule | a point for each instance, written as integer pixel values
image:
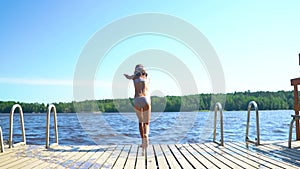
(295, 83)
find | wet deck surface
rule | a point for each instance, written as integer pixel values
(202, 155)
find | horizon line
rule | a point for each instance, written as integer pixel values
(247, 91)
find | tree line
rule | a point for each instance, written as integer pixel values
(279, 100)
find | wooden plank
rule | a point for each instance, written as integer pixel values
(131, 160)
(179, 157)
(83, 156)
(278, 154)
(169, 158)
(121, 161)
(161, 160)
(74, 155)
(93, 158)
(109, 163)
(16, 162)
(210, 155)
(273, 156)
(207, 155)
(283, 146)
(7, 154)
(22, 155)
(237, 157)
(190, 158)
(52, 156)
(41, 157)
(248, 163)
(200, 157)
(26, 155)
(150, 156)
(261, 158)
(251, 155)
(140, 158)
(227, 158)
(295, 144)
(65, 153)
(8, 159)
(10, 154)
(288, 152)
(102, 159)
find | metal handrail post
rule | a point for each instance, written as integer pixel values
(257, 142)
(295, 117)
(11, 125)
(218, 107)
(50, 108)
(1, 141)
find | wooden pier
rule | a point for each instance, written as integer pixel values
(202, 155)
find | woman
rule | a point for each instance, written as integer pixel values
(142, 102)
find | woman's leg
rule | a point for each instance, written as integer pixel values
(140, 119)
(141, 128)
(146, 120)
(143, 115)
(146, 126)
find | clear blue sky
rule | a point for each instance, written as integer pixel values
(257, 43)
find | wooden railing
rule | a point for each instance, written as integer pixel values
(295, 83)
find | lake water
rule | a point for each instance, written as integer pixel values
(166, 128)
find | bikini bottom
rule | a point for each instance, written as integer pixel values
(142, 101)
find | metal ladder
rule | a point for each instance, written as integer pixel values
(218, 107)
(10, 141)
(50, 108)
(295, 118)
(1, 141)
(257, 142)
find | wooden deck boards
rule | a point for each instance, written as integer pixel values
(201, 155)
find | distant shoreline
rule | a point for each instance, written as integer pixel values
(280, 100)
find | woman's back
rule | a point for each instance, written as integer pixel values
(141, 86)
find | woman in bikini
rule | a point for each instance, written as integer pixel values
(142, 102)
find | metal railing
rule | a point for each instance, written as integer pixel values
(10, 141)
(50, 108)
(295, 117)
(1, 141)
(218, 107)
(257, 142)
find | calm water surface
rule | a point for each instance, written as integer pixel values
(166, 128)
